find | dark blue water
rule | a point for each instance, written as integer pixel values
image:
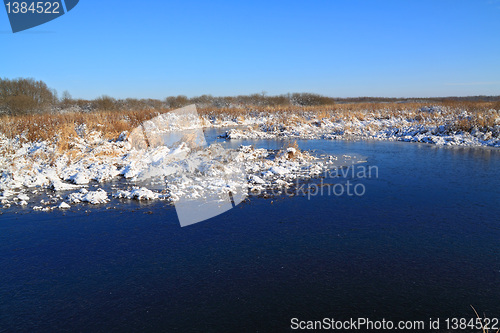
(422, 242)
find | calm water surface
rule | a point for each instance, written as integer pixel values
(422, 242)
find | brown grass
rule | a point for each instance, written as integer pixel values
(62, 127)
(289, 154)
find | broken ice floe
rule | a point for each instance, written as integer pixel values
(94, 197)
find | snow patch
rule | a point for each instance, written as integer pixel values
(64, 205)
(93, 197)
(138, 194)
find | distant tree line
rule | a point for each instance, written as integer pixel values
(22, 96)
(26, 96)
(110, 103)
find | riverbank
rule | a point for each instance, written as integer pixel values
(65, 153)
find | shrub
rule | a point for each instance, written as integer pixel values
(496, 106)
(104, 103)
(307, 99)
(177, 101)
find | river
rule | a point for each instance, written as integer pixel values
(420, 243)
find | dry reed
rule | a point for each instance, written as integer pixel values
(64, 126)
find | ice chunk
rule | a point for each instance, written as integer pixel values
(80, 178)
(257, 180)
(94, 197)
(137, 194)
(23, 197)
(278, 170)
(63, 205)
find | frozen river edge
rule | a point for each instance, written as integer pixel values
(170, 173)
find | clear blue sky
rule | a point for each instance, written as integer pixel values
(338, 48)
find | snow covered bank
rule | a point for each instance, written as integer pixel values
(144, 167)
(440, 129)
(31, 169)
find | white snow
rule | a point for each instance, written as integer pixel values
(257, 180)
(139, 194)
(64, 205)
(278, 170)
(23, 197)
(94, 197)
(405, 127)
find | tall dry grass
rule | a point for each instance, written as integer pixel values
(63, 127)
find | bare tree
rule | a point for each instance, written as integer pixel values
(22, 96)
